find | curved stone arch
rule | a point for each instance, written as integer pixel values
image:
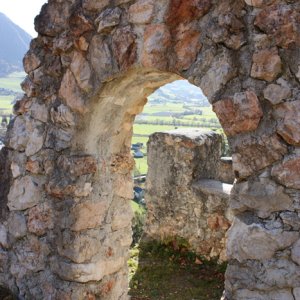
(66, 231)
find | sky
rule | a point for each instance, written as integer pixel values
(22, 12)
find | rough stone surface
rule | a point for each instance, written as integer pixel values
(141, 12)
(108, 19)
(70, 92)
(88, 215)
(65, 170)
(288, 118)
(276, 93)
(281, 22)
(181, 194)
(157, 40)
(266, 64)
(24, 193)
(255, 241)
(40, 219)
(240, 114)
(287, 172)
(262, 195)
(257, 153)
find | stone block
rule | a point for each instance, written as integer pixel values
(280, 22)
(287, 172)
(220, 72)
(62, 116)
(141, 12)
(71, 94)
(40, 219)
(108, 19)
(79, 247)
(266, 64)
(124, 47)
(254, 241)
(17, 225)
(288, 119)
(81, 71)
(239, 114)
(276, 93)
(87, 272)
(77, 165)
(157, 40)
(24, 193)
(101, 58)
(88, 215)
(255, 154)
(262, 195)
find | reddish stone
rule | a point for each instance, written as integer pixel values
(31, 62)
(239, 114)
(259, 3)
(78, 165)
(157, 40)
(185, 11)
(256, 153)
(29, 87)
(40, 219)
(266, 64)
(33, 166)
(70, 92)
(288, 115)
(217, 222)
(22, 105)
(287, 172)
(82, 44)
(124, 47)
(282, 23)
(141, 12)
(107, 287)
(187, 48)
(122, 164)
(79, 24)
(60, 189)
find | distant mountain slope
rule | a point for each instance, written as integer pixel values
(179, 91)
(14, 44)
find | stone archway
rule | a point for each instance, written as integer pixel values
(65, 226)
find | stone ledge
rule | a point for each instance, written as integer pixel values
(213, 187)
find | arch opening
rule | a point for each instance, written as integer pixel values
(68, 191)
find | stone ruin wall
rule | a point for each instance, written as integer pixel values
(186, 197)
(66, 168)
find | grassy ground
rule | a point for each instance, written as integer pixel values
(5, 104)
(170, 272)
(12, 81)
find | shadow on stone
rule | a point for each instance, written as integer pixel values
(5, 294)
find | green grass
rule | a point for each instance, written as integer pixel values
(5, 104)
(141, 165)
(12, 81)
(147, 129)
(171, 272)
(166, 107)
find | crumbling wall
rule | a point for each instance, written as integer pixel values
(184, 197)
(90, 71)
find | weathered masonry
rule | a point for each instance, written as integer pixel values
(66, 168)
(187, 190)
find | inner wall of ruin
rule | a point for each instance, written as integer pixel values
(66, 168)
(187, 196)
